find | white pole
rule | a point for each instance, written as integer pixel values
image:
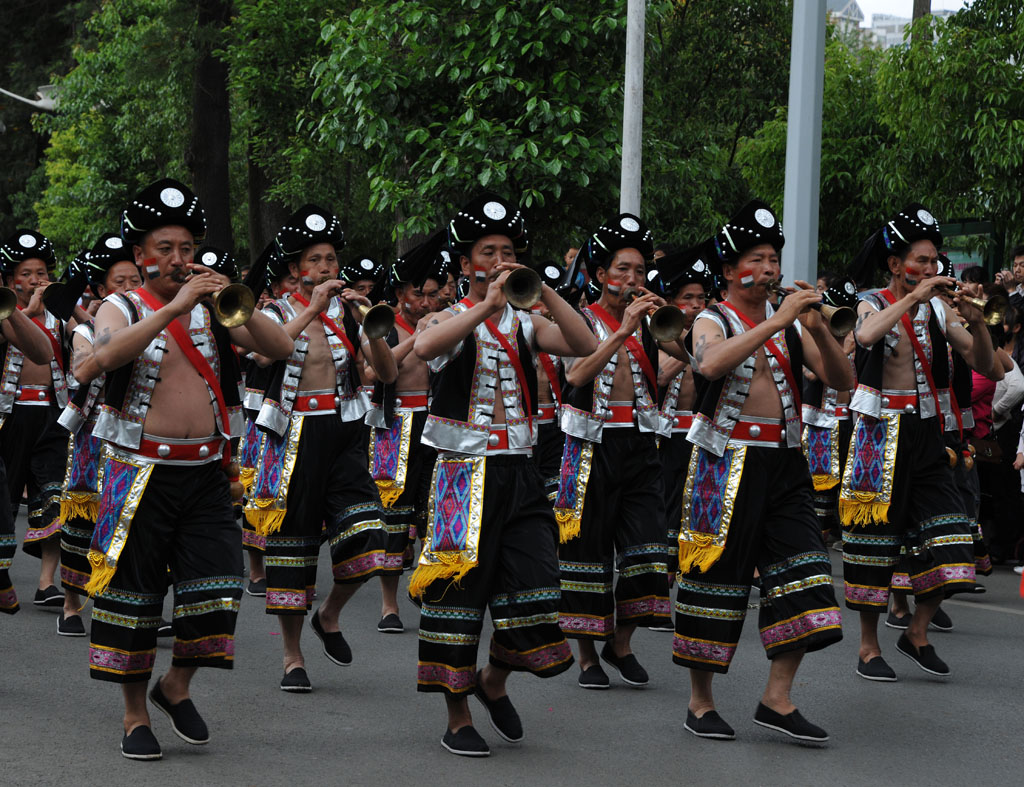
(803, 142)
(633, 108)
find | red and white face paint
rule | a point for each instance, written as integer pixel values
(911, 273)
(614, 287)
(747, 278)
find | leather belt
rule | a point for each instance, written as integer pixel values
(316, 403)
(191, 452)
(35, 394)
(411, 401)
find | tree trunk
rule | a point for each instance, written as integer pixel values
(207, 157)
(265, 217)
(922, 8)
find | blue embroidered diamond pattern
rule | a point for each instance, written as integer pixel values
(385, 451)
(251, 454)
(269, 481)
(117, 482)
(869, 448)
(85, 463)
(819, 456)
(452, 495)
(709, 483)
(569, 471)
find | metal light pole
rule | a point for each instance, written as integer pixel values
(633, 108)
(803, 142)
(46, 101)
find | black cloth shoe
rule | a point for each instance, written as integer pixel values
(710, 725)
(165, 629)
(894, 622)
(390, 624)
(297, 681)
(924, 657)
(466, 743)
(663, 627)
(628, 667)
(335, 646)
(185, 719)
(257, 588)
(792, 724)
(141, 744)
(875, 669)
(593, 677)
(502, 714)
(70, 626)
(51, 597)
(941, 621)
(979, 588)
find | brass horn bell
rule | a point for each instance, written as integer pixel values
(522, 288)
(993, 309)
(8, 302)
(665, 322)
(840, 319)
(377, 320)
(233, 305)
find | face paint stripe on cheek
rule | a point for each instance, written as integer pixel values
(480, 274)
(614, 287)
(151, 268)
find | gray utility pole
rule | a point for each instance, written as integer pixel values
(633, 108)
(803, 142)
(47, 101)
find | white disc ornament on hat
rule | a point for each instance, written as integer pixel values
(850, 288)
(172, 197)
(925, 217)
(27, 241)
(366, 264)
(629, 224)
(315, 222)
(699, 266)
(552, 272)
(495, 211)
(764, 218)
(113, 243)
(210, 258)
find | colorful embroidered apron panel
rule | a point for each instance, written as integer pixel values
(821, 447)
(269, 499)
(249, 450)
(83, 477)
(577, 456)
(389, 457)
(124, 482)
(454, 519)
(867, 483)
(709, 500)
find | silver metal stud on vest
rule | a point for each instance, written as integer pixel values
(885, 401)
(313, 403)
(337, 402)
(41, 395)
(493, 440)
(398, 402)
(204, 451)
(163, 450)
(908, 408)
(633, 413)
(755, 431)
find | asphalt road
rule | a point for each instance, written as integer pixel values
(366, 724)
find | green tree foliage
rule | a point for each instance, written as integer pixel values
(452, 97)
(955, 108)
(123, 118)
(851, 140)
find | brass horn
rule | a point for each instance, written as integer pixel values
(993, 309)
(377, 320)
(665, 322)
(839, 319)
(522, 288)
(8, 302)
(233, 305)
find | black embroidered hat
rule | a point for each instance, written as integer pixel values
(308, 226)
(105, 253)
(26, 245)
(842, 293)
(624, 231)
(219, 260)
(913, 223)
(427, 260)
(487, 214)
(550, 274)
(573, 281)
(165, 203)
(754, 224)
(361, 268)
(689, 266)
(268, 264)
(945, 267)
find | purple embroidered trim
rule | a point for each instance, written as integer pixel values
(112, 661)
(586, 625)
(360, 565)
(862, 595)
(456, 680)
(535, 660)
(801, 626)
(651, 605)
(699, 650)
(208, 647)
(942, 575)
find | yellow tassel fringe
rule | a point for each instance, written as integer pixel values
(862, 511)
(389, 492)
(264, 519)
(693, 556)
(81, 505)
(246, 476)
(101, 574)
(568, 524)
(823, 482)
(424, 575)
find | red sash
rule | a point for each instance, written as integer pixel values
(633, 346)
(332, 326)
(400, 321)
(552, 375)
(182, 339)
(780, 357)
(919, 352)
(513, 357)
(58, 355)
